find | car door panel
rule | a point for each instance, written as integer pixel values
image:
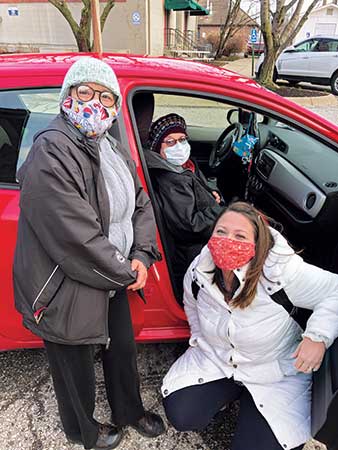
(293, 64)
(288, 186)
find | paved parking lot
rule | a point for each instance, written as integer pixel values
(28, 411)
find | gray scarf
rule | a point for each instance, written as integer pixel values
(121, 192)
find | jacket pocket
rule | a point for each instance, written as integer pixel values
(47, 292)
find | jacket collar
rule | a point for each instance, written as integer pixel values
(64, 126)
(155, 161)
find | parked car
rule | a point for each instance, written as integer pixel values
(257, 47)
(293, 177)
(314, 60)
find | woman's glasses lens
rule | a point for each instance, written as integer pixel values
(172, 142)
(86, 93)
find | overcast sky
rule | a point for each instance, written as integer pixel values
(245, 4)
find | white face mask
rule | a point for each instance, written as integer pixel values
(178, 154)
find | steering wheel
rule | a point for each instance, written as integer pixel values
(223, 146)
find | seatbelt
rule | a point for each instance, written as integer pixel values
(300, 315)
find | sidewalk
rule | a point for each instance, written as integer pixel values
(243, 67)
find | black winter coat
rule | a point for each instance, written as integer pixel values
(188, 207)
(64, 263)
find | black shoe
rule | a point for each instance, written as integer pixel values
(109, 437)
(73, 439)
(150, 425)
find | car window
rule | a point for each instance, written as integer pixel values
(22, 114)
(333, 45)
(306, 46)
(322, 46)
(196, 111)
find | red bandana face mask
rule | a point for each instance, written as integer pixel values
(230, 254)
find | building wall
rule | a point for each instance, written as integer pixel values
(319, 20)
(40, 26)
(156, 26)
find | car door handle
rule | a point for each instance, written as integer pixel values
(305, 57)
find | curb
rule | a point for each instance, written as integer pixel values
(324, 100)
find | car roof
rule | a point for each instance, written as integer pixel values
(33, 70)
(124, 65)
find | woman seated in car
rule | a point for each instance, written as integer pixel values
(188, 205)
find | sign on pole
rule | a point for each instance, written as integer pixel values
(253, 40)
(253, 35)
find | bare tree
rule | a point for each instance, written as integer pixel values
(235, 19)
(81, 30)
(279, 28)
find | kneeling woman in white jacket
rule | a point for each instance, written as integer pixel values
(244, 345)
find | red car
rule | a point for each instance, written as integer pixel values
(293, 175)
(257, 47)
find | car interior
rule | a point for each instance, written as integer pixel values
(291, 174)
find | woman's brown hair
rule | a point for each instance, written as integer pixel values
(264, 242)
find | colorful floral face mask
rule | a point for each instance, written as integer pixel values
(91, 118)
(230, 254)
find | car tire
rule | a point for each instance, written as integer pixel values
(334, 83)
(245, 55)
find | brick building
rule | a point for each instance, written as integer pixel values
(209, 26)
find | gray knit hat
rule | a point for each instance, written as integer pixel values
(90, 70)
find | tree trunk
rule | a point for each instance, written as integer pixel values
(81, 31)
(266, 72)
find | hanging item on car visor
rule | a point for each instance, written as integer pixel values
(244, 145)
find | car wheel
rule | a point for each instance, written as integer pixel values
(334, 83)
(245, 55)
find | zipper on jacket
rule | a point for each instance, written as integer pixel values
(107, 278)
(44, 286)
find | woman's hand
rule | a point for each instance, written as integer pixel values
(142, 275)
(217, 196)
(309, 355)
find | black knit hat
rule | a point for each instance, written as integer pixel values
(171, 123)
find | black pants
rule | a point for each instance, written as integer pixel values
(72, 368)
(193, 408)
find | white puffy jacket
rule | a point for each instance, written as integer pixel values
(254, 345)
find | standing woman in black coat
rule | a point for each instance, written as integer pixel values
(189, 206)
(86, 235)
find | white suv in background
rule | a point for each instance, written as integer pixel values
(314, 60)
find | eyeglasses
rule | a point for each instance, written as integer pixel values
(171, 142)
(86, 93)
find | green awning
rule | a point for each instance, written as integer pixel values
(186, 5)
